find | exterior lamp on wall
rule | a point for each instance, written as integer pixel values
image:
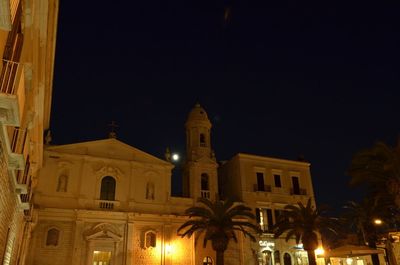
(168, 249)
(378, 221)
(349, 261)
(319, 251)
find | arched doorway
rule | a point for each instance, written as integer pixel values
(287, 259)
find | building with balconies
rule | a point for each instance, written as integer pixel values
(267, 185)
(27, 47)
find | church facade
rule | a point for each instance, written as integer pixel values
(105, 202)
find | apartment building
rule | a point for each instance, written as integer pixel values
(27, 46)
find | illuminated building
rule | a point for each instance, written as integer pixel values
(267, 185)
(27, 47)
(105, 202)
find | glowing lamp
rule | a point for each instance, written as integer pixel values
(319, 251)
(168, 249)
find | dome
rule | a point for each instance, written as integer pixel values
(197, 114)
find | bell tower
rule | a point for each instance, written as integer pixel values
(200, 171)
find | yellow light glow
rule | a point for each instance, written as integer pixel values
(349, 261)
(319, 251)
(168, 249)
(378, 221)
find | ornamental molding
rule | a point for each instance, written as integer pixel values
(103, 231)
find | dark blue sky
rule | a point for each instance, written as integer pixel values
(279, 78)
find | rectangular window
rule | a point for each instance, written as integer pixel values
(296, 185)
(277, 180)
(260, 181)
(258, 215)
(269, 219)
(277, 214)
(264, 218)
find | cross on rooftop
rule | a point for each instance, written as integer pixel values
(113, 125)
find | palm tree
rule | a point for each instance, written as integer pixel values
(379, 168)
(218, 221)
(361, 216)
(304, 223)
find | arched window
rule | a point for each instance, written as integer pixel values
(207, 261)
(150, 238)
(52, 237)
(204, 182)
(277, 257)
(287, 259)
(107, 191)
(202, 139)
(62, 182)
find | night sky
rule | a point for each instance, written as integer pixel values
(277, 78)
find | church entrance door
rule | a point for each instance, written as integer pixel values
(101, 257)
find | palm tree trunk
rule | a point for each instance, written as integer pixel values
(374, 257)
(311, 257)
(220, 257)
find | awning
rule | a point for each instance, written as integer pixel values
(351, 251)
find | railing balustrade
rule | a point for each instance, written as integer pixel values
(205, 194)
(267, 188)
(9, 77)
(298, 192)
(18, 140)
(107, 205)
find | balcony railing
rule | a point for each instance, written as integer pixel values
(18, 140)
(298, 192)
(107, 205)
(28, 212)
(23, 176)
(9, 77)
(265, 188)
(26, 198)
(17, 148)
(205, 194)
(12, 92)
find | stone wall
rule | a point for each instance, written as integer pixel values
(11, 219)
(44, 254)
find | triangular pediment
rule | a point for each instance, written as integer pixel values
(108, 148)
(104, 235)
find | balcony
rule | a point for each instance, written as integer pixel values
(18, 147)
(265, 188)
(23, 179)
(298, 192)
(107, 205)
(25, 200)
(205, 194)
(12, 92)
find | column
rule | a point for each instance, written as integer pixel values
(89, 253)
(129, 245)
(77, 246)
(168, 248)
